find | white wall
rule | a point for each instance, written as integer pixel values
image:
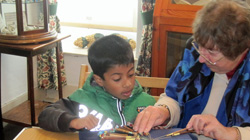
(72, 67)
(139, 30)
(13, 80)
(13, 77)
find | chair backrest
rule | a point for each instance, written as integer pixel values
(150, 82)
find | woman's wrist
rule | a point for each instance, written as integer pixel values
(167, 118)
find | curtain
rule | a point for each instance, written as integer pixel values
(46, 63)
(144, 60)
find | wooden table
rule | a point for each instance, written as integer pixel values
(27, 115)
(36, 133)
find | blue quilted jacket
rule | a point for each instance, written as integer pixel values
(190, 85)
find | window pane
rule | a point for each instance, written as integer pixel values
(176, 43)
(101, 12)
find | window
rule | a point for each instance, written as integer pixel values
(107, 14)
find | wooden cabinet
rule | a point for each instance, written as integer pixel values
(172, 27)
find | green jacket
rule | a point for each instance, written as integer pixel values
(120, 111)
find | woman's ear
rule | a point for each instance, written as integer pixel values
(98, 80)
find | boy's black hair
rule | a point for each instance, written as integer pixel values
(108, 51)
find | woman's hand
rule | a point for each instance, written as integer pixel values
(209, 126)
(150, 117)
(88, 122)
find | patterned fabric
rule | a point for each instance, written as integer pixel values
(46, 63)
(144, 60)
(191, 83)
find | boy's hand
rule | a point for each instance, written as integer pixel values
(88, 122)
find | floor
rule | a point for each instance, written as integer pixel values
(11, 130)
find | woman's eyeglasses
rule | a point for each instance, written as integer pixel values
(207, 59)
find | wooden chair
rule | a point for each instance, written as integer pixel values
(150, 82)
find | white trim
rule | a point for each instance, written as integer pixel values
(20, 133)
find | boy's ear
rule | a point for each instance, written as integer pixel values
(98, 80)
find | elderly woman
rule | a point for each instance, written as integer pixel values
(209, 90)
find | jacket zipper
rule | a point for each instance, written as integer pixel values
(119, 108)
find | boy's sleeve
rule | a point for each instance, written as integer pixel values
(57, 116)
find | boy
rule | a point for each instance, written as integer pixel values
(110, 96)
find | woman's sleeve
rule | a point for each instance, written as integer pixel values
(244, 132)
(174, 109)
